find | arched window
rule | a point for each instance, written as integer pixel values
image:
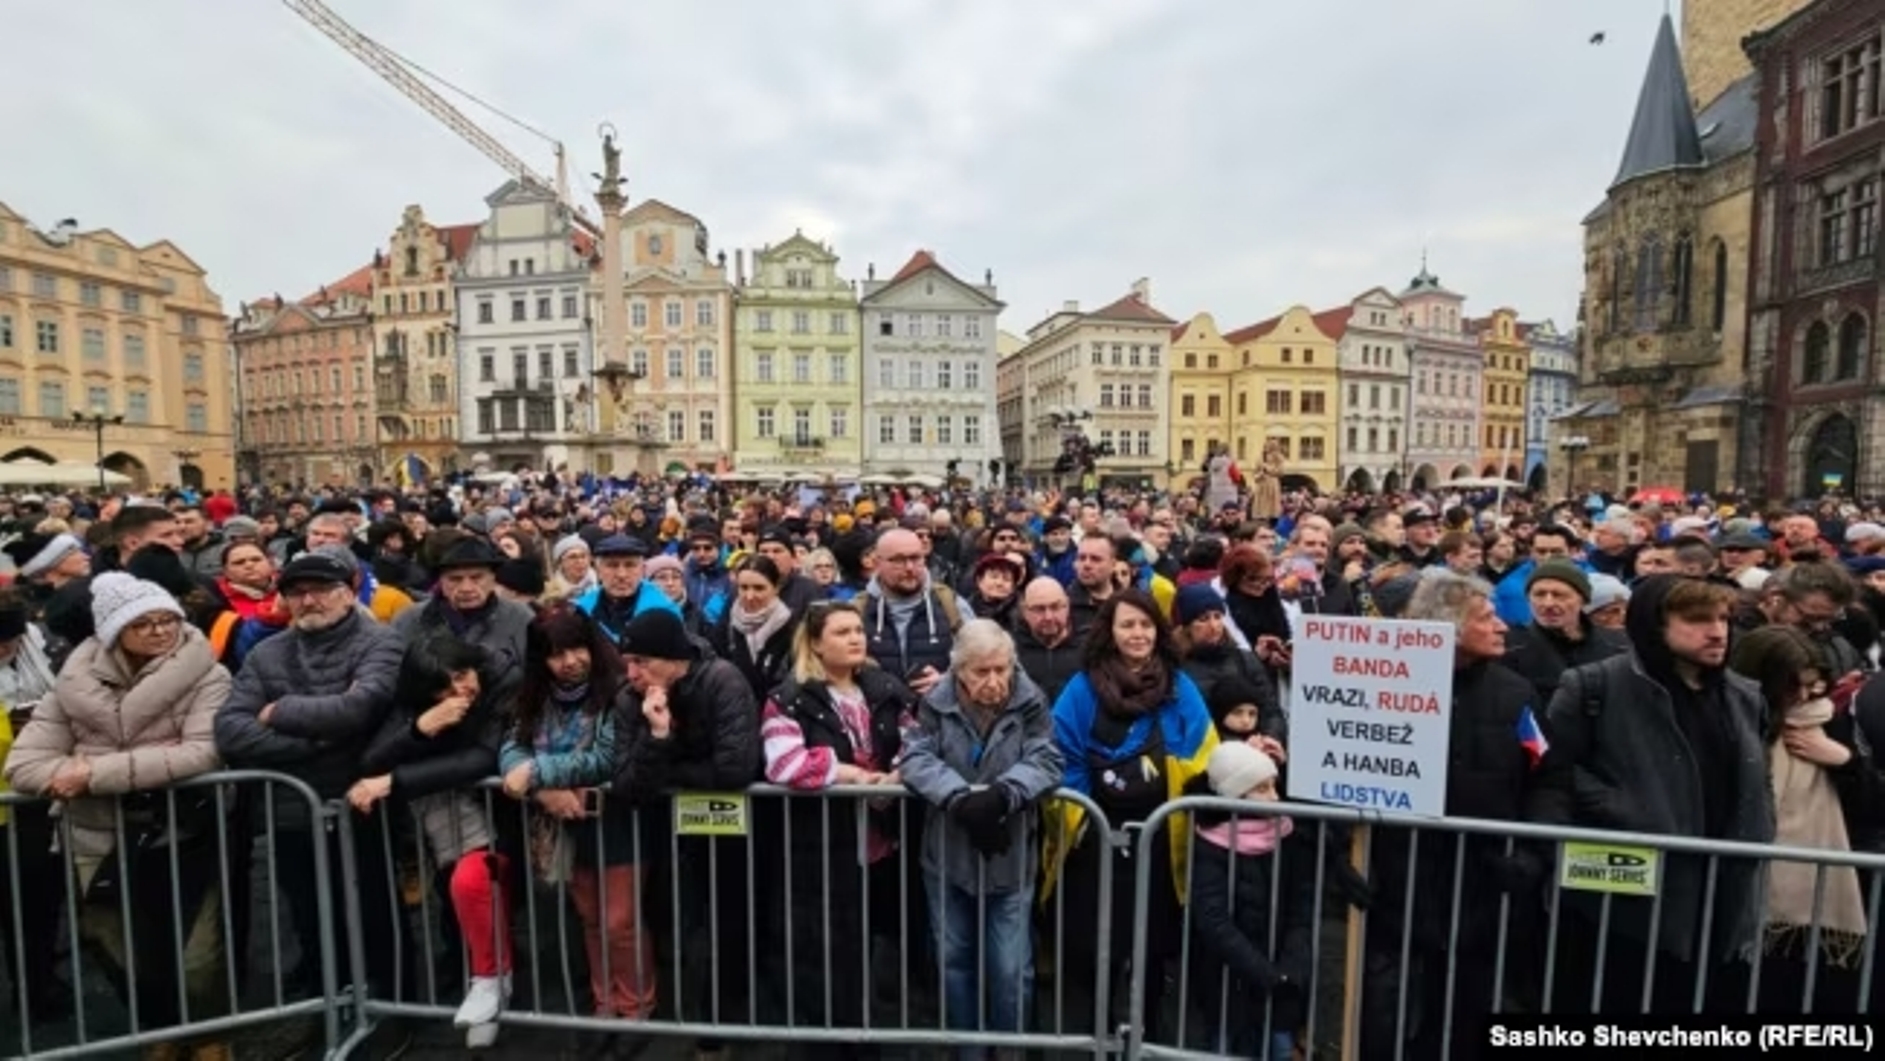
(1648, 282)
(1718, 315)
(1814, 362)
(1685, 270)
(1851, 347)
(1619, 268)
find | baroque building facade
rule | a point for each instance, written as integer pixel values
(307, 404)
(525, 364)
(1282, 390)
(415, 362)
(1661, 373)
(1448, 370)
(1507, 359)
(1549, 387)
(1199, 367)
(929, 342)
(679, 339)
(1818, 422)
(1371, 336)
(92, 323)
(1101, 372)
(796, 369)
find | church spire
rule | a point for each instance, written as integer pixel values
(1662, 135)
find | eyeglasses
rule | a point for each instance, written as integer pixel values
(900, 560)
(154, 624)
(308, 590)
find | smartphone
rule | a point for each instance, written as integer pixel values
(592, 801)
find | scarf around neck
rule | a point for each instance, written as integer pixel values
(758, 627)
(1247, 836)
(1807, 813)
(1128, 692)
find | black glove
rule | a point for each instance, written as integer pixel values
(1347, 885)
(983, 815)
(1516, 873)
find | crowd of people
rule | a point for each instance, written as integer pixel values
(1692, 671)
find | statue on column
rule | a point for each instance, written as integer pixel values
(1266, 483)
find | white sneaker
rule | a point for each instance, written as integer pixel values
(481, 1036)
(483, 1001)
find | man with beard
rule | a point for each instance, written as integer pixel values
(909, 623)
(1093, 581)
(1662, 740)
(1045, 646)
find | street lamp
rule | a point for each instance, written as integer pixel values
(97, 420)
(1572, 446)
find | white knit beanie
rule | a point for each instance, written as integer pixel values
(566, 545)
(118, 600)
(1236, 768)
(60, 547)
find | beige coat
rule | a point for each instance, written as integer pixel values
(139, 731)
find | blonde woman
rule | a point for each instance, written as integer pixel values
(837, 720)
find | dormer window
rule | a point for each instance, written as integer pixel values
(654, 244)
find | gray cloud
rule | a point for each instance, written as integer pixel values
(1245, 156)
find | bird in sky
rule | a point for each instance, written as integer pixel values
(1597, 38)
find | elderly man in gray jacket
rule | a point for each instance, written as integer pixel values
(983, 755)
(305, 703)
(468, 606)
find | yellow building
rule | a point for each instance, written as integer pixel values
(415, 363)
(1201, 363)
(1283, 387)
(90, 323)
(797, 379)
(1502, 395)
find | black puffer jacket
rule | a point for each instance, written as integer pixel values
(331, 689)
(712, 743)
(1051, 668)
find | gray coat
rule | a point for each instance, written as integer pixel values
(1019, 755)
(1619, 760)
(331, 690)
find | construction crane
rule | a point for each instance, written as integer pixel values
(411, 79)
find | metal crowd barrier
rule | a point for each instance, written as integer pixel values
(158, 942)
(741, 951)
(1570, 936)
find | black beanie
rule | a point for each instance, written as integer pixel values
(656, 633)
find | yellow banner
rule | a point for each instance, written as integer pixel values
(710, 814)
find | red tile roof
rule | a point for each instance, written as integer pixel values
(1334, 322)
(1253, 332)
(918, 262)
(1130, 308)
(359, 282)
(458, 239)
(1178, 331)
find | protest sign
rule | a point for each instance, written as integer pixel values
(1369, 720)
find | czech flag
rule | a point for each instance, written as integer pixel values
(1532, 738)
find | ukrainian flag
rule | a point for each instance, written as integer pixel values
(411, 471)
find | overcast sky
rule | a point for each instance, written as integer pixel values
(1243, 154)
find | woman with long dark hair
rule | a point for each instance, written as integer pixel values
(1133, 731)
(440, 738)
(561, 748)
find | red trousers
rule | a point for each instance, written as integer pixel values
(628, 990)
(483, 914)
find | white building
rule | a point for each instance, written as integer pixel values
(1549, 388)
(1448, 370)
(524, 361)
(1372, 351)
(929, 371)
